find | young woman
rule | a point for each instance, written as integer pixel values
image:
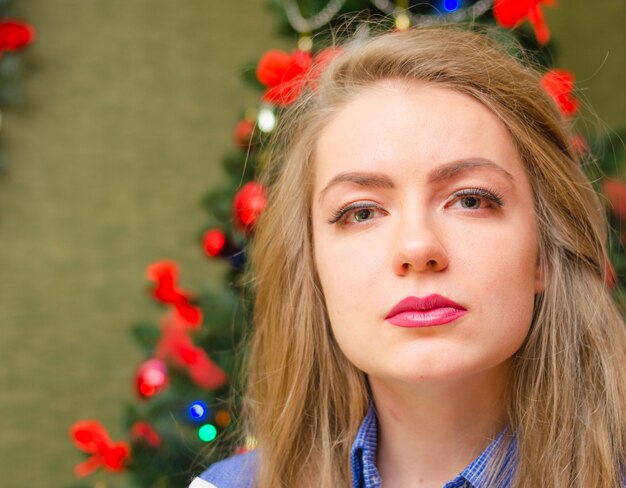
(429, 276)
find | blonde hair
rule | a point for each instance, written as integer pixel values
(304, 400)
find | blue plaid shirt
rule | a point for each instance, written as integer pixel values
(365, 474)
(240, 471)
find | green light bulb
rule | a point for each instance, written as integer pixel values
(207, 433)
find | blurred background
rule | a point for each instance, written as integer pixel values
(126, 109)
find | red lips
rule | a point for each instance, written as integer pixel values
(429, 311)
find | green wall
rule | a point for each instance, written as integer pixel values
(128, 107)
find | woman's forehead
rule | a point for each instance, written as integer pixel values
(411, 128)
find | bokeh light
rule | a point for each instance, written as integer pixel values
(197, 411)
(451, 5)
(207, 433)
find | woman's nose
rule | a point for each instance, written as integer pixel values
(418, 247)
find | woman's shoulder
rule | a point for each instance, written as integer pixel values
(234, 472)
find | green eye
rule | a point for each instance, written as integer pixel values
(356, 213)
(362, 214)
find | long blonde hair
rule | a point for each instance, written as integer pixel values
(304, 400)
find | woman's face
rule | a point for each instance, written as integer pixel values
(419, 190)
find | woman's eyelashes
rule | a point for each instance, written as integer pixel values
(471, 199)
(355, 213)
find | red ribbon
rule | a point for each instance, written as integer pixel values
(176, 345)
(559, 84)
(285, 75)
(165, 274)
(511, 13)
(91, 437)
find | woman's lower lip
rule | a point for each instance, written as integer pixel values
(426, 318)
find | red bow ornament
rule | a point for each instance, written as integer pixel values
(15, 35)
(91, 437)
(511, 13)
(165, 274)
(559, 84)
(176, 346)
(284, 75)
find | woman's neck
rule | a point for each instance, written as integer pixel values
(428, 433)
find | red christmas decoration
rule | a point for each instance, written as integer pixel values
(615, 192)
(579, 144)
(320, 62)
(142, 431)
(609, 276)
(165, 274)
(213, 242)
(176, 346)
(244, 131)
(511, 13)
(91, 437)
(151, 377)
(559, 84)
(284, 75)
(15, 35)
(248, 204)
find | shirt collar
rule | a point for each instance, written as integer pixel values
(363, 453)
(365, 474)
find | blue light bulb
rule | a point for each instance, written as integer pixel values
(197, 411)
(451, 5)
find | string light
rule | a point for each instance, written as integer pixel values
(266, 120)
(207, 433)
(458, 15)
(222, 418)
(197, 411)
(451, 5)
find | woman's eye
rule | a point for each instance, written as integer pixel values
(477, 199)
(362, 214)
(471, 202)
(355, 214)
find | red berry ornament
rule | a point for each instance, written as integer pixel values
(248, 204)
(151, 377)
(213, 242)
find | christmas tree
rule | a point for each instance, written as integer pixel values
(189, 384)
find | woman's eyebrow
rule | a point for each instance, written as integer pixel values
(361, 178)
(451, 169)
(441, 173)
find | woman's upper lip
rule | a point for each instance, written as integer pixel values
(427, 303)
